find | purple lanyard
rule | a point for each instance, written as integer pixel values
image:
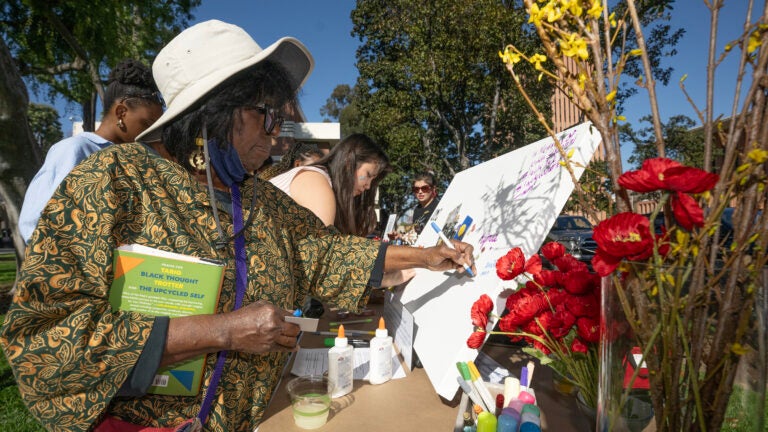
(241, 280)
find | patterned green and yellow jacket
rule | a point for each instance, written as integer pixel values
(70, 353)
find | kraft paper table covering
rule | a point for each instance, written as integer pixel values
(411, 403)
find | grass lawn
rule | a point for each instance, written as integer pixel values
(14, 416)
(740, 415)
(7, 271)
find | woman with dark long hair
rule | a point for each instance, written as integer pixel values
(341, 187)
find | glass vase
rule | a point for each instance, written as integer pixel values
(685, 353)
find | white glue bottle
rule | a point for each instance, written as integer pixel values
(381, 356)
(341, 365)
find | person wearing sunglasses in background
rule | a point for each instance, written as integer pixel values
(187, 186)
(132, 103)
(413, 221)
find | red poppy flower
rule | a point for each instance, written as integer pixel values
(557, 297)
(522, 310)
(579, 346)
(687, 211)
(510, 322)
(540, 324)
(476, 339)
(541, 347)
(510, 265)
(578, 282)
(530, 289)
(649, 177)
(480, 310)
(604, 264)
(666, 174)
(584, 305)
(533, 265)
(546, 278)
(562, 322)
(690, 180)
(624, 235)
(553, 250)
(567, 263)
(588, 329)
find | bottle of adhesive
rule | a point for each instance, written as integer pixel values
(341, 365)
(381, 356)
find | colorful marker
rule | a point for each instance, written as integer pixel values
(477, 380)
(450, 245)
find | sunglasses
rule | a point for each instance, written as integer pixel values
(272, 117)
(422, 189)
(153, 97)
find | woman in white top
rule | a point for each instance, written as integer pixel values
(341, 187)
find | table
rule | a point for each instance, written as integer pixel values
(411, 404)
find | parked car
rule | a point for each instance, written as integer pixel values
(575, 233)
(726, 226)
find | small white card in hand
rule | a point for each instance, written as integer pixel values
(306, 324)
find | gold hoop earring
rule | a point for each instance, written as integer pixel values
(197, 157)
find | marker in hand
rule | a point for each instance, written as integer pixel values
(450, 245)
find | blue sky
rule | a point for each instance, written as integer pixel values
(325, 26)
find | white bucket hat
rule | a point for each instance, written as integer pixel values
(207, 54)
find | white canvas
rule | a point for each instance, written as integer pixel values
(513, 200)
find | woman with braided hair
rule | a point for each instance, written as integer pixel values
(132, 103)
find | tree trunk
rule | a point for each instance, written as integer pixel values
(89, 113)
(18, 158)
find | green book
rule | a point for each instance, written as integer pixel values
(160, 283)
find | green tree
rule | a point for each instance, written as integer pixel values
(433, 90)
(344, 107)
(66, 48)
(19, 156)
(340, 98)
(597, 191)
(684, 142)
(45, 125)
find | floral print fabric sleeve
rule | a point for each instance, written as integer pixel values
(70, 353)
(325, 264)
(341, 274)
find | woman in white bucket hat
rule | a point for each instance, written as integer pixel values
(80, 365)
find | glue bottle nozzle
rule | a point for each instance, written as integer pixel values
(341, 331)
(381, 324)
